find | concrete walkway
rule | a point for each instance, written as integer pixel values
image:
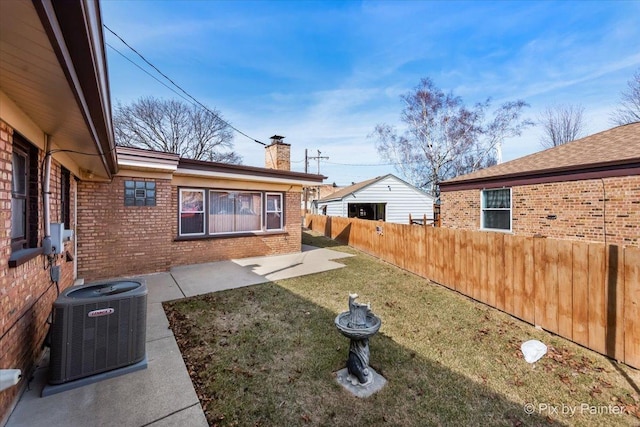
(162, 394)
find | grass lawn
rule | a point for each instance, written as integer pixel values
(266, 355)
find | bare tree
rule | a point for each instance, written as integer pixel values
(561, 124)
(629, 109)
(444, 138)
(174, 127)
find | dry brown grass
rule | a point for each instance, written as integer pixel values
(266, 355)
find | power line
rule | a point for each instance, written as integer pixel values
(179, 87)
(372, 164)
(150, 75)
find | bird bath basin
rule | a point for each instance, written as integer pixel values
(359, 324)
(366, 330)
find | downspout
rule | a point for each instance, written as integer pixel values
(46, 184)
(75, 231)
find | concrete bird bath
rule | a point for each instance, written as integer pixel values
(359, 324)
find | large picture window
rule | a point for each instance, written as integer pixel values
(496, 209)
(234, 212)
(209, 212)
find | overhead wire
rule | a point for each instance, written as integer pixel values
(149, 74)
(189, 98)
(179, 87)
(371, 164)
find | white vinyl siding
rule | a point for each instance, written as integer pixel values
(400, 199)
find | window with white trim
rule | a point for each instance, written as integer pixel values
(496, 209)
(191, 212)
(213, 212)
(274, 211)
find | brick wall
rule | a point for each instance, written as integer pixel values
(582, 210)
(116, 240)
(460, 209)
(278, 156)
(26, 291)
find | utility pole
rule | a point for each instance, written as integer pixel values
(306, 163)
(306, 190)
(318, 158)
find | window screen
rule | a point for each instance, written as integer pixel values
(496, 209)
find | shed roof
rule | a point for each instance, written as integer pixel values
(341, 194)
(609, 153)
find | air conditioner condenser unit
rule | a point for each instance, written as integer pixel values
(98, 331)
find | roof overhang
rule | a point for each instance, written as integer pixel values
(197, 168)
(145, 160)
(54, 69)
(138, 159)
(582, 172)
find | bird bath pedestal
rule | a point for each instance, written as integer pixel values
(359, 324)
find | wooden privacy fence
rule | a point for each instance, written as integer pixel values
(586, 292)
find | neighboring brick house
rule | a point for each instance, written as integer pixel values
(54, 104)
(588, 189)
(160, 211)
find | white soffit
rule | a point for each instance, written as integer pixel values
(243, 177)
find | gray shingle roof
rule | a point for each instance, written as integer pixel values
(351, 189)
(615, 146)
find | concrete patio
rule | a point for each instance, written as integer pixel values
(162, 394)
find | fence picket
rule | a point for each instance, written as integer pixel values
(484, 271)
(539, 288)
(475, 266)
(529, 279)
(457, 260)
(507, 285)
(632, 306)
(580, 321)
(496, 261)
(520, 301)
(597, 301)
(565, 288)
(551, 285)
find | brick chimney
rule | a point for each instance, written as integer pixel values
(278, 154)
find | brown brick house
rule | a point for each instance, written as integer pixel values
(161, 211)
(55, 130)
(129, 212)
(588, 189)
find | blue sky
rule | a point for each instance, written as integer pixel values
(324, 73)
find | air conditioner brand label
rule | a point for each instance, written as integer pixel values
(101, 312)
